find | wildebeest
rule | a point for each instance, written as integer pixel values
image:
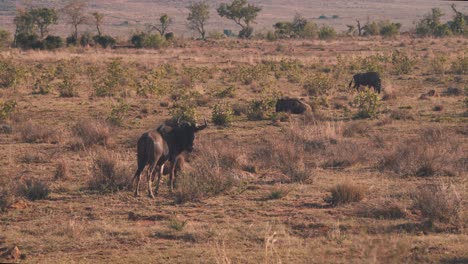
(371, 79)
(292, 105)
(166, 143)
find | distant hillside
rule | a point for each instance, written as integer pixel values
(126, 16)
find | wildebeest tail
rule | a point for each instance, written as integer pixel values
(145, 151)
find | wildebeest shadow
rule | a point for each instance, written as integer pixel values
(137, 217)
(455, 260)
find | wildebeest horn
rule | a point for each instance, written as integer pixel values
(200, 127)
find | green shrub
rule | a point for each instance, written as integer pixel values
(327, 32)
(105, 41)
(10, 73)
(52, 42)
(6, 108)
(318, 84)
(5, 39)
(67, 72)
(390, 29)
(177, 225)
(145, 40)
(113, 81)
(260, 109)
(43, 80)
(222, 114)
(118, 113)
(368, 103)
(402, 63)
(371, 29)
(184, 111)
(460, 65)
(226, 92)
(155, 82)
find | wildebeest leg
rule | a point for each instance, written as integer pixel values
(172, 177)
(138, 178)
(349, 86)
(150, 183)
(160, 172)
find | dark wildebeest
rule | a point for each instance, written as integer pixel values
(292, 105)
(166, 143)
(371, 79)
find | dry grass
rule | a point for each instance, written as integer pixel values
(33, 132)
(345, 193)
(92, 132)
(62, 170)
(382, 209)
(109, 174)
(438, 202)
(33, 189)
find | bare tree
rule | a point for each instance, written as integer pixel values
(98, 20)
(74, 13)
(198, 16)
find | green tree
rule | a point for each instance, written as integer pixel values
(24, 24)
(242, 13)
(43, 18)
(429, 24)
(4, 38)
(98, 20)
(164, 22)
(459, 23)
(199, 13)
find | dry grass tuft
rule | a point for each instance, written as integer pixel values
(356, 128)
(32, 132)
(433, 153)
(92, 132)
(401, 114)
(212, 174)
(438, 202)
(7, 195)
(62, 171)
(33, 189)
(109, 174)
(381, 209)
(345, 193)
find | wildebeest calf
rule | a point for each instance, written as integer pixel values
(292, 105)
(371, 79)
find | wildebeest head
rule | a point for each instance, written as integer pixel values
(184, 133)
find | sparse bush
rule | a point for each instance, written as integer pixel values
(209, 176)
(7, 195)
(92, 132)
(10, 73)
(368, 103)
(389, 29)
(118, 113)
(360, 128)
(177, 225)
(184, 111)
(32, 132)
(260, 109)
(6, 108)
(62, 171)
(327, 32)
(345, 193)
(460, 65)
(222, 114)
(318, 84)
(34, 189)
(4, 39)
(432, 154)
(382, 209)
(401, 114)
(43, 80)
(69, 81)
(226, 92)
(438, 202)
(402, 63)
(278, 192)
(151, 41)
(439, 64)
(108, 174)
(113, 81)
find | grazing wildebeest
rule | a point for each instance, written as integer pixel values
(292, 105)
(166, 143)
(371, 79)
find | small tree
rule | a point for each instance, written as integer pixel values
(242, 13)
(4, 38)
(24, 24)
(75, 15)
(164, 22)
(459, 24)
(199, 13)
(428, 25)
(98, 20)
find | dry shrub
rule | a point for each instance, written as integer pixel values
(92, 132)
(433, 153)
(381, 209)
(356, 128)
(34, 158)
(278, 192)
(32, 132)
(401, 114)
(207, 178)
(438, 108)
(62, 171)
(345, 193)
(344, 154)
(315, 135)
(33, 189)
(453, 91)
(7, 195)
(438, 202)
(109, 174)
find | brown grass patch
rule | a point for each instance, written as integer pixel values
(62, 170)
(33, 189)
(108, 173)
(438, 202)
(92, 132)
(381, 209)
(345, 193)
(32, 132)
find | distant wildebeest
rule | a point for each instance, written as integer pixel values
(166, 143)
(292, 105)
(371, 79)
